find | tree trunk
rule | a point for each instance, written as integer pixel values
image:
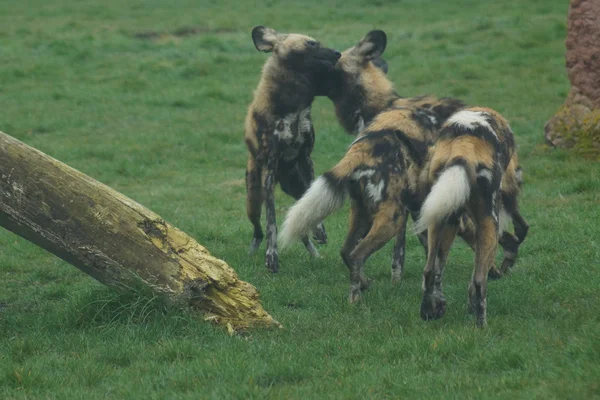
(577, 122)
(116, 240)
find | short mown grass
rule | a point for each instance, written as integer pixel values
(149, 97)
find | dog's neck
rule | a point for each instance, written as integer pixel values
(361, 96)
(282, 91)
(358, 107)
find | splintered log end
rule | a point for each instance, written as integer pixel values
(238, 308)
(208, 283)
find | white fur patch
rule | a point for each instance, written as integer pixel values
(360, 173)
(448, 194)
(471, 120)
(375, 192)
(504, 221)
(304, 122)
(318, 202)
(519, 175)
(360, 126)
(283, 127)
(485, 173)
(494, 200)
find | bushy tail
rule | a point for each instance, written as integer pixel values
(323, 198)
(449, 193)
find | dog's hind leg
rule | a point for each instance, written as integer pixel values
(359, 226)
(422, 236)
(382, 231)
(440, 238)
(254, 201)
(399, 249)
(485, 251)
(466, 231)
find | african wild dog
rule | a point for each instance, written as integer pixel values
(360, 90)
(380, 172)
(464, 172)
(380, 169)
(279, 131)
(358, 87)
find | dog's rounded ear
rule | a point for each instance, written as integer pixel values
(381, 64)
(264, 38)
(372, 45)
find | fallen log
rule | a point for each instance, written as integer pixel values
(116, 240)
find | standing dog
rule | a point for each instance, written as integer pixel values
(464, 173)
(279, 132)
(380, 171)
(381, 168)
(360, 91)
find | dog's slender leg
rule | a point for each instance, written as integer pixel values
(441, 237)
(399, 249)
(466, 231)
(510, 246)
(521, 225)
(254, 200)
(382, 231)
(485, 250)
(421, 236)
(358, 227)
(510, 243)
(269, 181)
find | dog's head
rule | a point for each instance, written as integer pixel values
(359, 68)
(299, 53)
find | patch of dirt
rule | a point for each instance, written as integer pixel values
(181, 32)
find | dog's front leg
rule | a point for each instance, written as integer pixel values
(269, 181)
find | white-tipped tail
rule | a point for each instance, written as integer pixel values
(448, 194)
(319, 201)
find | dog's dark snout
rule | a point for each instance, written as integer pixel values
(337, 54)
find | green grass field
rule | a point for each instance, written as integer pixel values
(124, 92)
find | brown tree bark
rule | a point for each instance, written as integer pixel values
(116, 240)
(577, 122)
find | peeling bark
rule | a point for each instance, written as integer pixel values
(116, 240)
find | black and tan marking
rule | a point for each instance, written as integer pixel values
(279, 132)
(360, 90)
(464, 173)
(380, 172)
(380, 169)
